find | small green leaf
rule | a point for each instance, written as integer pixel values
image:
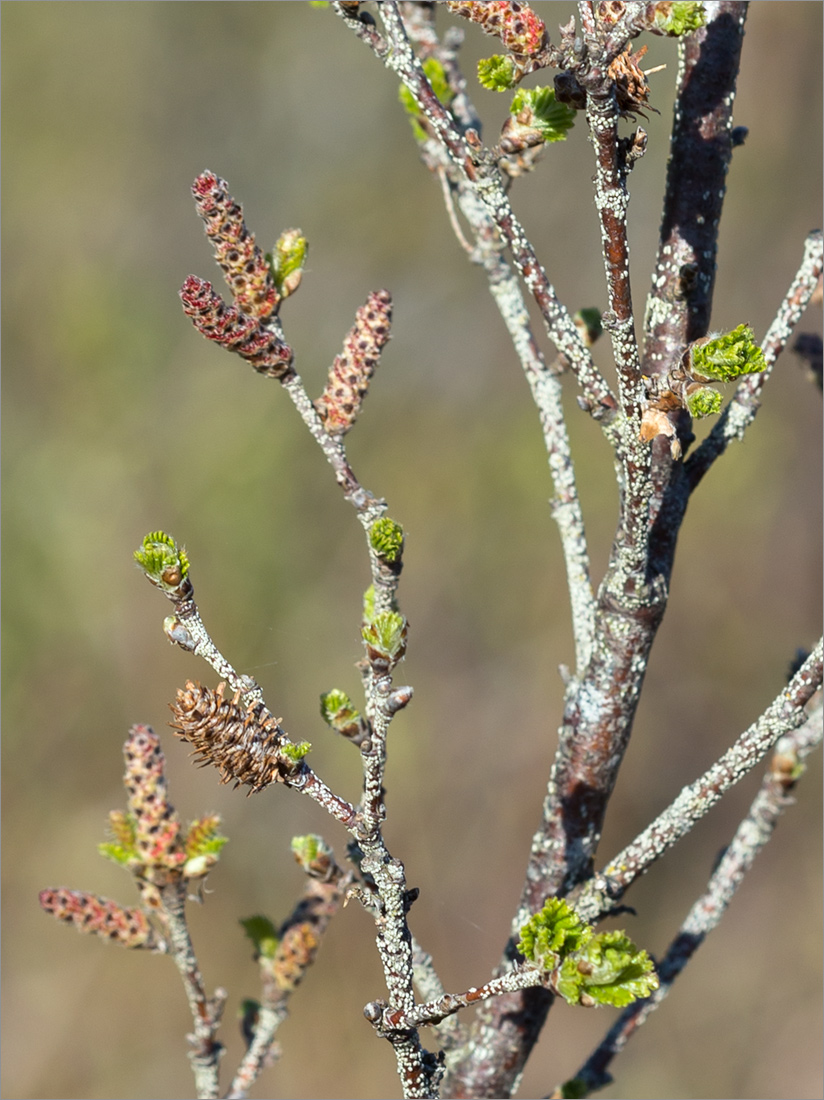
(552, 934)
(306, 848)
(386, 539)
(497, 73)
(117, 853)
(727, 356)
(263, 935)
(703, 402)
(122, 849)
(203, 838)
(683, 17)
(550, 118)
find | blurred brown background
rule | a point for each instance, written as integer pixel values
(119, 419)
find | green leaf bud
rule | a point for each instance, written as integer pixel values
(552, 934)
(337, 711)
(703, 401)
(263, 935)
(203, 845)
(386, 539)
(725, 357)
(385, 639)
(314, 855)
(497, 73)
(681, 17)
(286, 261)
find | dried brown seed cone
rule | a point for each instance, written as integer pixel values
(243, 743)
(349, 376)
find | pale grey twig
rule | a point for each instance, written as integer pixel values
(601, 893)
(740, 411)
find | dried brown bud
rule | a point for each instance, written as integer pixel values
(631, 88)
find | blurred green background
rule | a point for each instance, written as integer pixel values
(119, 419)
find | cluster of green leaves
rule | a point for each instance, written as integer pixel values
(727, 356)
(590, 969)
(162, 560)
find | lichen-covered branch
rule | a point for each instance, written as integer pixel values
(680, 301)
(773, 798)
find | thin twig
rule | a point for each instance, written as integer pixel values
(206, 1011)
(784, 714)
(398, 55)
(741, 409)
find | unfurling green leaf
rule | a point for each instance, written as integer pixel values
(497, 73)
(548, 936)
(314, 855)
(727, 356)
(369, 604)
(681, 17)
(551, 118)
(609, 970)
(385, 639)
(162, 560)
(294, 753)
